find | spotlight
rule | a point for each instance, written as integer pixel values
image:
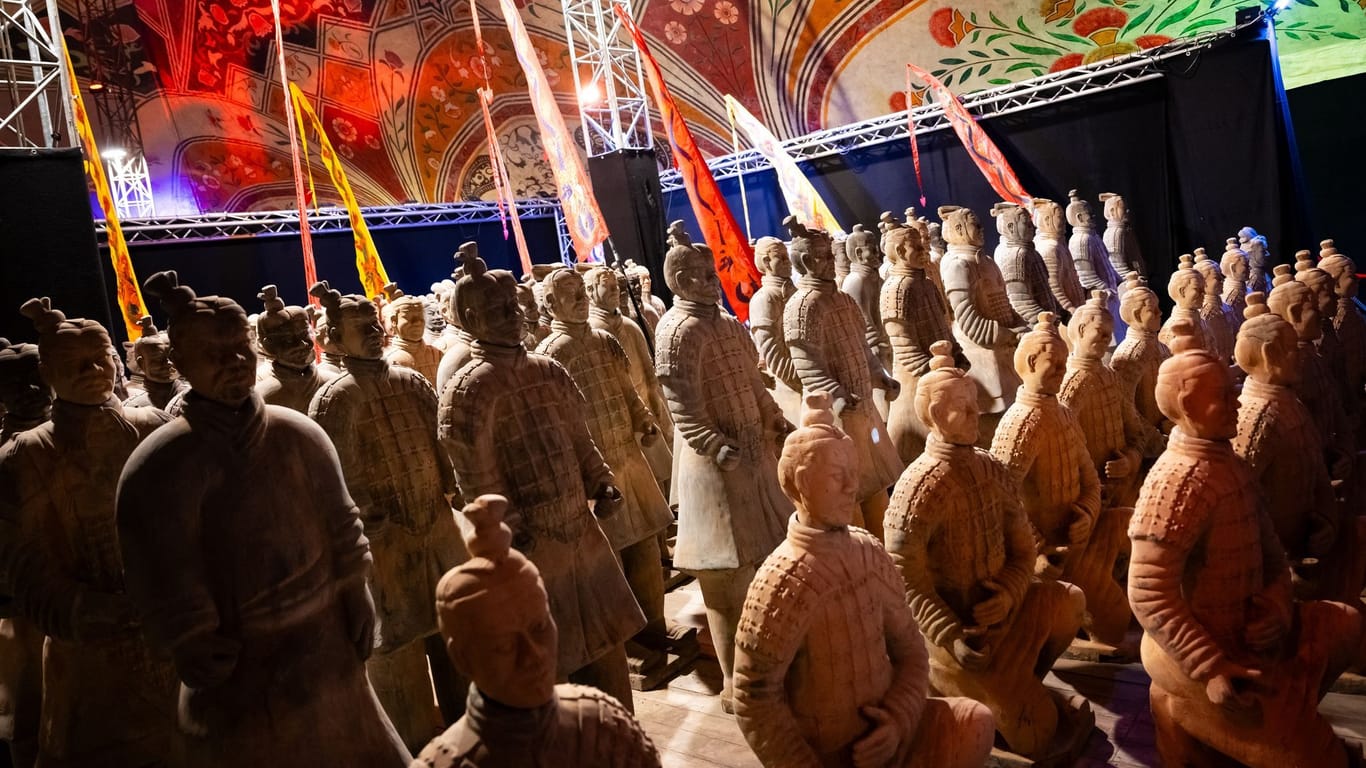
(114, 154)
(590, 95)
(1281, 5)
(96, 87)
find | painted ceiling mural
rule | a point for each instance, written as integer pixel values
(394, 80)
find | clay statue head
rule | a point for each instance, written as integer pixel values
(467, 252)
(1092, 327)
(1079, 213)
(486, 302)
(494, 615)
(819, 468)
(1258, 255)
(566, 296)
(1041, 357)
(604, 290)
(839, 249)
(946, 399)
(1210, 273)
(1187, 286)
(283, 331)
(1048, 218)
(1267, 347)
(74, 355)
(1195, 389)
(935, 239)
(433, 314)
(642, 275)
(1319, 281)
(1234, 262)
(690, 274)
(1013, 222)
(887, 220)
(404, 315)
(810, 250)
(352, 322)
(1116, 210)
(904, 246)
(23, 393)
(151, 352)
(210, 343)
(1296, 303)
(1344, 273)
(770, 256)
(862, 247)
(1138, 306)
(961, 226)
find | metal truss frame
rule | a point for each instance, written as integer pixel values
(608, 78)
(131, 184)
(1047, 90)
(227, 226)
(36, 81)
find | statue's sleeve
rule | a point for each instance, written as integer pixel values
(592, 468)
(1018, 290)
(641, 417)
(1021, 548)
(1164, 530)
(958, 286)
(331, 409)
(1052, 259)
(350, 549)
(1015, 446)
(679, 369)
(768, 338)
(908, 544)
(905, 698)
(1139, 435)
(1079, 457)
(803, 329)
(41, 593)
(161, 536)
(767, 639)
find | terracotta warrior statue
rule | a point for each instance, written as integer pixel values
(1235, 268)
(1119, 238)
(515, 424)
(246, 559)
(839, 248)
(405, 320)
(1349, 320)
(1237, 667)
(637, 288)
(1021, 265)
(382, 420)
(1187, 289)
(766, 324)
(285, 332)
(645, 284)
(160, 382)
(1260, 263)
(1330, 346)
(730, 507)
(1138, 357)
(25, 399)
(958, 533)
(459, 349)
(864, 283)
(830, 668)
(330, 367)
(825, 331)
(1116, 437)
(107, 698)
(1050, 240)
(499, 631)
(604, 295)
(983, 321)
(533, 331)
(1219, 323)
(916, 316)
(1091, 257)
(1296, 303)
(616, 415)
(1278, 440)
(1043, 446)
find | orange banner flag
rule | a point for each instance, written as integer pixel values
(733, 254)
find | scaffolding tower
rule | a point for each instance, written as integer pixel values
(608, 78)
(33, 87)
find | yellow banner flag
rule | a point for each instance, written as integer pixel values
(372, 275)
(125, 280)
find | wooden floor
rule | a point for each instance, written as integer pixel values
(687, 725)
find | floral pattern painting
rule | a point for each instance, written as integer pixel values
(395, 80)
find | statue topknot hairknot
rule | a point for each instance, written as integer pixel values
(942, 351)
(270, 297)
(1183, 338)
(819, 408)
(1256, 305)
(45, 318)
(175, 298)
(330, 299)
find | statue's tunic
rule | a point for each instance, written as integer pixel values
(417, 355)
(983, 323)
(766, 326)
(292, 388)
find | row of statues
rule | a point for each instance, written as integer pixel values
(278, 572)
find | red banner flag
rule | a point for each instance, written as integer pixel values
(980, 147)
(581, 212)
(730, 248)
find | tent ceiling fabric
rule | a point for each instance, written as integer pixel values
(394, 80)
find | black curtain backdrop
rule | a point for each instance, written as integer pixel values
(1331, 136)
(414, 256)
(1198, 153)
(47, 239)
(626, 185)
